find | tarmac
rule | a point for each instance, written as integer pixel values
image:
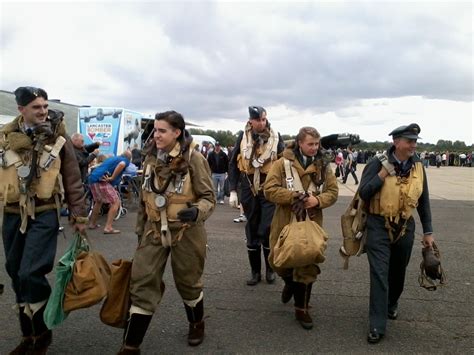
(241, 319)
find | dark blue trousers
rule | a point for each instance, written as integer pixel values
(30, 256)
(259, 213)
(388, 263)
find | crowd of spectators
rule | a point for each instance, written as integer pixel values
(429, 158)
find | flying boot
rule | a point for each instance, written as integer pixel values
(255, 265)
(26, 325)
(196, 323)
(287, 292)
(43, 336)
(135, 331)
(269, 273)
(302, 294)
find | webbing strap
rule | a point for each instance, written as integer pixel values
(4, 201)
(383, 158)
(57, 201)
(293, 181)
(165, 232)
(47, 159)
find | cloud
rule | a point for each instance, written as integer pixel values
(213, 59)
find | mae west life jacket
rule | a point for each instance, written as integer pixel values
(43, 187)
(399, 196)
(259, 161)
(162, 209)
(46, 186)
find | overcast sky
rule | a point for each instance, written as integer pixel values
(359, 67)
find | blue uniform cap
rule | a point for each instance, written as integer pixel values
(410, 132)
(256, 112)
(25, 94)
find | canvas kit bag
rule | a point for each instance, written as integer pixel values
(300, 244)
(115, 307)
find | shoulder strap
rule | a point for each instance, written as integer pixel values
(293, 181)
(383, 158)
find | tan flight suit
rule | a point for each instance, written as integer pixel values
(277, 192)
(188, 248)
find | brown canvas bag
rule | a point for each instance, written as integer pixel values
(300, 244)
(115, 308)
(89, 281)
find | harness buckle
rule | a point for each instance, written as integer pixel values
(146, 183)
(179, 186)
(3, 162)
(257, 163)
(289, 183)
(48, 161)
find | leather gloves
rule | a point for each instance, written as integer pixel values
(233, 199)
(431, 263)
(297, 206)
(188, 214)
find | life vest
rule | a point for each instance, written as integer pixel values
(399, 195)
(162, 209)
(46, 186)
(396, 199)
(259, 161)
(176, 199)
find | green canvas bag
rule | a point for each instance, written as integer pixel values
(54, 313)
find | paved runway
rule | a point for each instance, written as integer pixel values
(243, 319)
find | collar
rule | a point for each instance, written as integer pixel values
(22, 124)
(304, 158)
(402, 163)
(163, 155)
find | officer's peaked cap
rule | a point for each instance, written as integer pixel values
(410, 132)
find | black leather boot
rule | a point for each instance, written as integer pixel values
(255, 265)
(43, 336)
(27, 342)
(269, 274)
(287, 292)
(302, 293)
(134, 333)
(196, 323)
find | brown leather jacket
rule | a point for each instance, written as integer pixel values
(73, 188)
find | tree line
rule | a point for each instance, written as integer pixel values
(227, 138)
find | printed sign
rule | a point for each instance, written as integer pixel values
(101, 124)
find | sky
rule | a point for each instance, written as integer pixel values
(363, 67)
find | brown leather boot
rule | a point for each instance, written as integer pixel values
(196, 333)
(43, 336)
(129, 351)
(302, 294)
(27, 342)
(25, 347)
(196, 324)
(303, 317)
(134, 332)
(42, 342)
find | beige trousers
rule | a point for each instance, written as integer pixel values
(187, 263)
